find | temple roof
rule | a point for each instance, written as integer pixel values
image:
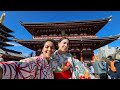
(5, 44)
(69, 22)
(38, 28)
(5, 28)
(4, 38)
(11, 52)
(94, 43)
(2, 51)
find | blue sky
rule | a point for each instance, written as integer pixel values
(13, 18)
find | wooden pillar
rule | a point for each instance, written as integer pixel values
(63, 32)
(81, 57)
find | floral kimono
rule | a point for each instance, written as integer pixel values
(74, 70)
(29, 68)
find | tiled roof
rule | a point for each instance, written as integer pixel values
(15, 54)
(2, 51)
(11, 53)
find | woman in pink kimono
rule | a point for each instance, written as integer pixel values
(67, 66)
(39, 67)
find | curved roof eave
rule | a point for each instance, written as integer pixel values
(67, 22)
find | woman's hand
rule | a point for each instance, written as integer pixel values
(66, 66)
(86, 75)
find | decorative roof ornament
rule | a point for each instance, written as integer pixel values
(110, 18)
(118, 36)
(2, 17)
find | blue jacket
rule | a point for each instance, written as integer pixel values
(98, 67)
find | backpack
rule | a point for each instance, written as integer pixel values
(112, 66)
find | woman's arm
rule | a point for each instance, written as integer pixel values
(23, 69)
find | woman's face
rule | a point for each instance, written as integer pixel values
(48, 49)
(63, 45)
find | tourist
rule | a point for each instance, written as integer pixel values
(99, 69)
(67, 66)
(91, 68)
(39, 67)
(111, 67)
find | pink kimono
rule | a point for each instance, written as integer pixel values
(29, 68)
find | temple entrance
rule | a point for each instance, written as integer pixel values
(76, 54)
(86, 56)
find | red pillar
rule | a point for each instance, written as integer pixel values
(92, 56)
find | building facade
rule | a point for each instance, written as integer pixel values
(105, 51)
(82, 35)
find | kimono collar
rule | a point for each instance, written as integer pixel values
(41, 56)
(59, 53)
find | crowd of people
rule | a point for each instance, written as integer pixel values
(108, 68)
(54, 63)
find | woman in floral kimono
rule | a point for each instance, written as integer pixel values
(67, 66)
(39, 67)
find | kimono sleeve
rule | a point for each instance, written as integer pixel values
(23, 69)
(9, 69)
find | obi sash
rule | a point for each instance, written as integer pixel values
(63, 75)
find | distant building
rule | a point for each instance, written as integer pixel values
(106, 51)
